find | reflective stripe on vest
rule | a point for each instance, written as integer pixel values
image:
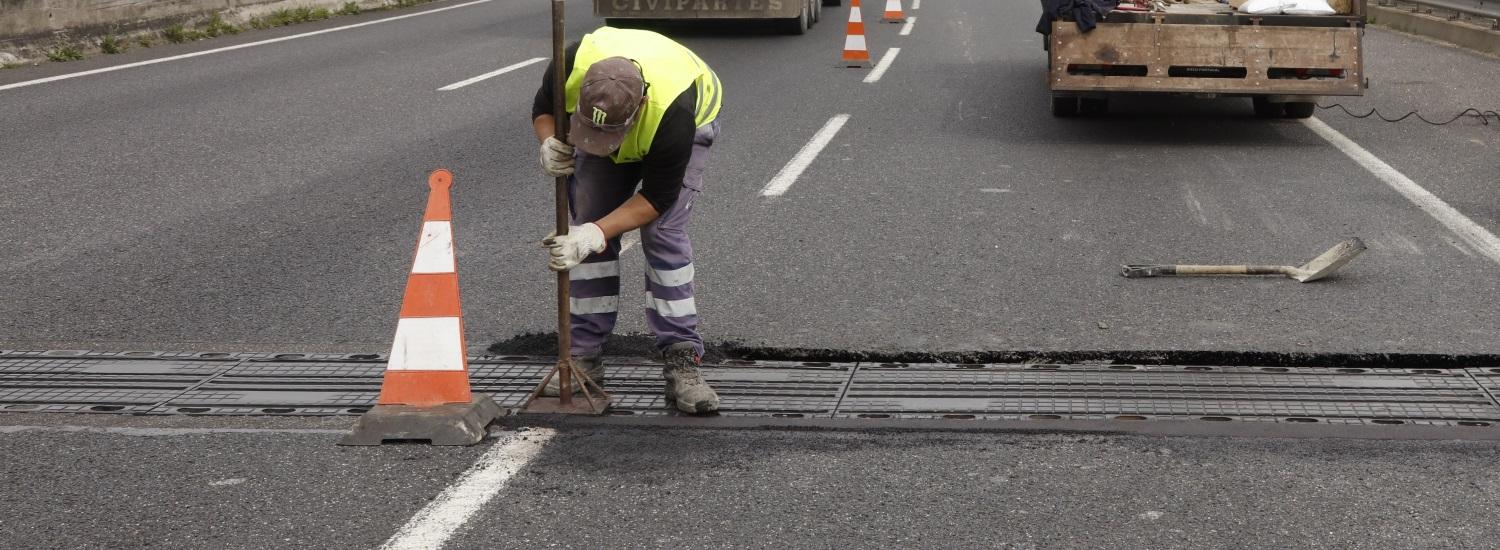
(668, 67)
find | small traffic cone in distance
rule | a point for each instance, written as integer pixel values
(856, 53)
(893, 12)
(425, 394)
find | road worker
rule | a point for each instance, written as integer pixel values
(643, 114)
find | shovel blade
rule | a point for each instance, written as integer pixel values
(1331, 261)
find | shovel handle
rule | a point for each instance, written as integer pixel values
(1139, 271)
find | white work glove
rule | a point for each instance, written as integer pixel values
(557, 157)
(570, 250)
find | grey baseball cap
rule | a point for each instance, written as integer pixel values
(608, 102)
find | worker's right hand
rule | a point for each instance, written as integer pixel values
(569, 250)
(557, 157)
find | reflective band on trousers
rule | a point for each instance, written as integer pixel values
(596, 270)
(601, 304)
(671, 308)
(671, 277)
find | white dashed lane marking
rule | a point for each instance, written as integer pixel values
(491, 74)
(793, 169)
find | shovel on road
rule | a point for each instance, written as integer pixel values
(1320, 267)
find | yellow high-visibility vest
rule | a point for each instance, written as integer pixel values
(668, 67)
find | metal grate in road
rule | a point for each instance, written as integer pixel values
(97, 385)
(1104, 391)
(321, 384)
(747, 388)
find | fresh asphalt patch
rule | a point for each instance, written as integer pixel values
(644, 345)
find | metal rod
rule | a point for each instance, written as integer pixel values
(560, 131)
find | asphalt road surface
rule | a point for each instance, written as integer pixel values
(281, 483)
(266, 198)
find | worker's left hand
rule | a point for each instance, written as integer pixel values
(570, 250)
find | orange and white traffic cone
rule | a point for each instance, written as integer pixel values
(426, 394)
(893, 12)
(856, 54)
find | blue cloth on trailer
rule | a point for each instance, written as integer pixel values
(1086, 13)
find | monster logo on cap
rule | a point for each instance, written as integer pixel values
(612, 90)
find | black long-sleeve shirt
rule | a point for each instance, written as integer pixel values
(662, 168)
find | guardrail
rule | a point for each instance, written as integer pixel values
(1480, 11)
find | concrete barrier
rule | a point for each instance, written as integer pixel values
(1464, 34)
(27, 27)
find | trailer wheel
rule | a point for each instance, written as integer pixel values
(1064, 106)
(1266, 109)
(798, 24)
(816, 8)
(1300, 109)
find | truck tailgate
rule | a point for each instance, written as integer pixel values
(1207, 58)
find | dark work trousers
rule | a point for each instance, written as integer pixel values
(598, 187)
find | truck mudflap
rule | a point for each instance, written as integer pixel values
(1207, 59)
(698, 9)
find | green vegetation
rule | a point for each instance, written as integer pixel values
(111, 45)
(291, 16)
(217, 26)
(11, 65)
(64, 52)
(349, 8)
(176, 34)
(145, 40)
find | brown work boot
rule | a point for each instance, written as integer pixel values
(592, 366)
(686, 389)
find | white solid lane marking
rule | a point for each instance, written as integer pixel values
(1472, 234)
(885, 63)
(491, 74)
(916, 4)
(789, 173)
(436, 522)
(163, 432)
(234, 47)
(906, 29)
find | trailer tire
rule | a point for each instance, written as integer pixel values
(798, 24)
(1064, 106)
(816, 7)
(1300, 109)
(1265, 109)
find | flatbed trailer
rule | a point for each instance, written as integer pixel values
(789, 16)
(1284, 63)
